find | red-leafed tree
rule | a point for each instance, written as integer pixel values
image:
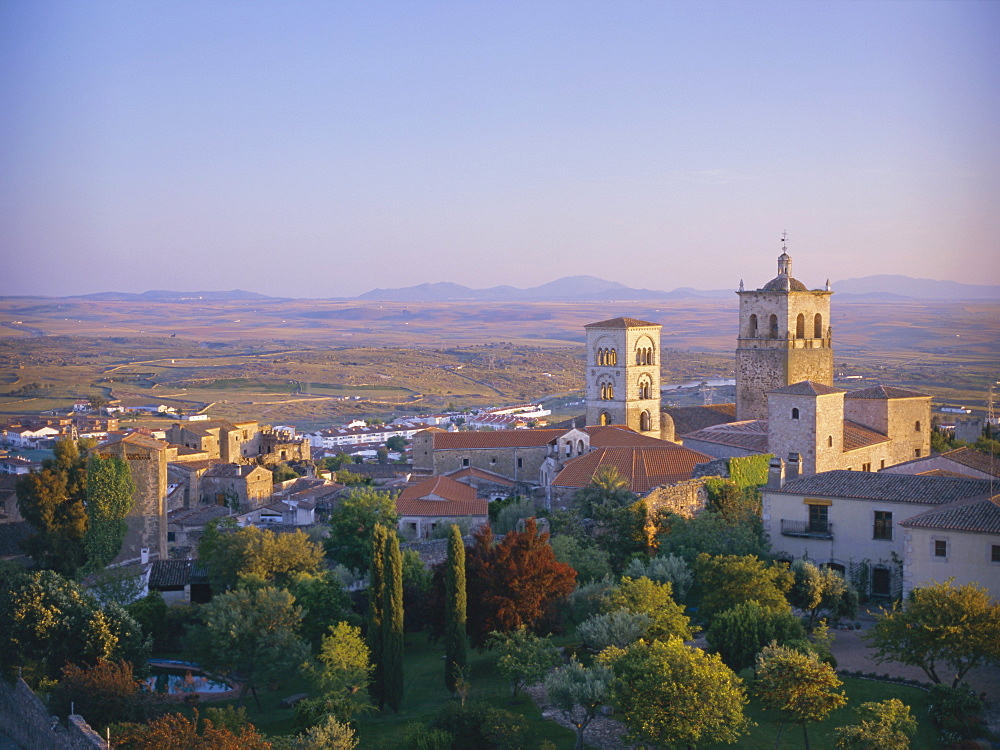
(513, 583)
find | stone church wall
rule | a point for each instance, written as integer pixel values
(26, 720)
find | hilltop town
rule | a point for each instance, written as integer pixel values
(807, 469)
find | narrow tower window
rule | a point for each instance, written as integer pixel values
(774, 326)
(795, 413)
(818, 327)
(752, 327)
(800, 326)
(644, 422)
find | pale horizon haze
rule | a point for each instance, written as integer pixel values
(321, 149)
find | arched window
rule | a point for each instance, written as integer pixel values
(774, 326)
(579, 448)
(605, 418)
(800, 326)
(569, 448)
(644, 422)
(795, 412)
(916, 427)
(611, 391)
(829, 441)
(818, 327)
(612, 356)
(752, 327)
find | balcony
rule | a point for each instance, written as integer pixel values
(812, 530)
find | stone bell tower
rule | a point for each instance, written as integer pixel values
(784, 338)
(623, 374)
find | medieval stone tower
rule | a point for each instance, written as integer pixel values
(784, 338)
(623, 374)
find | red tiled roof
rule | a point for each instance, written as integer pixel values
(807, 388)
(622, 323)
(690, 418)
(440, 496)
(858, 436)
(750, 435)
(643, 467)
(495, 439)
(472, 471)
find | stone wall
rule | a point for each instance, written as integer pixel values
(26, 720)
(685, 498)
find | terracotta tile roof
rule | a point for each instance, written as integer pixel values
(611, 436)
(199, 465)
(196, 516)
(974, 460)
(807, 388)
(440, 497)
(750, 434)
(495, 439)
(900, 488)
(164, 573)
(622, 323)
(885, 392)
(489, 476)
(691, 418)
(232, 471)
(974, 514)
(858, 436)
(642, 467)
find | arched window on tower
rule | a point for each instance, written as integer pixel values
(752, 327)
(829, 441)
(605, 418)
(644, 422)
(773, 325)
(818, 327)
(611, 391)
(916, 427)
(795, 413)
(612, 356)
(800, 326)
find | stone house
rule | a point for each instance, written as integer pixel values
(853, 522)
(246, 485)
(438, 501)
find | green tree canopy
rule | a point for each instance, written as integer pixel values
(456, 612)
(883, 726)
(342, 671)
(110, 497)
(606, 491)
(940, 627)
(671, 694)
(727, 580)
(578, 693)
(250, 636)
(352, 522)
(47, 621)
(324, 603)
(524, 657)
(588, 560)
(740, 633)
(646, 597)
(797, 684)
(232, 555)
(818, 589)
(711, 532)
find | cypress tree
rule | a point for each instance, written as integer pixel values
(454, 613)
(376, 597)
(392, 624)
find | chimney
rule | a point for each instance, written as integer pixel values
(792, 472)
(776, 474)
(144, 555)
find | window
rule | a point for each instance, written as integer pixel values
(800, 326)
(916, 453)
(916, 427)
(883, 525)
(995, 553)
(465, 462)
(520, 463)
(818, 326)
(940, 548)
(579, 448)
(795, 413)
(881, 582)
(644, 422)
(171, 536)
(866, 467)
(829, 441)
(752, 332)
(819, 518)
(569, 449)
(774, 326)
(882, 464)
(605, 418)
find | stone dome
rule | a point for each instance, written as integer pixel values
(785, 284)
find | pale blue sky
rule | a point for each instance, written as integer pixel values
(321, 149)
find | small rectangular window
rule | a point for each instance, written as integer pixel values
(883, 525)
(882, 464)
(940, 548)
(465, 462)
(995, 553)
(520, 463)
(916, 453)
(866, 467)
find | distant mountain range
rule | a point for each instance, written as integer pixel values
(592, 289)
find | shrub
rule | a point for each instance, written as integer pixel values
(956, 710)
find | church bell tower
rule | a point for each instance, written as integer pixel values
(623, 374)
(784, 338)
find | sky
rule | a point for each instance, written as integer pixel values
(322, 149)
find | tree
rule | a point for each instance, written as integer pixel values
(110, 490)
(376, 614)
(97, 402)
(351, 525)
(53, 502)
(670, 569)
(578, 694)
(455, 635)
(250, 636)
(671, 694)
(382, 455)
(396, 443)
(884, 726)
(342, 671)
(330, 734)
(324, 602)
(47, 621)
(620, 628)
(646, 597)
(727, 580)
(817, 589)
(587, 559)
(392, 623)
(524, 657)
(512, 584)
(177, 731)
(798, 685)
(709, 532)
(941, 624)
(741, 632)
(103, 693)
(606, 491)
(232, 555)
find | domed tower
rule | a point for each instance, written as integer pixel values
(623, 374)
(784, 338)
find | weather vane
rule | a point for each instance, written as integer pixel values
(784, 240)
